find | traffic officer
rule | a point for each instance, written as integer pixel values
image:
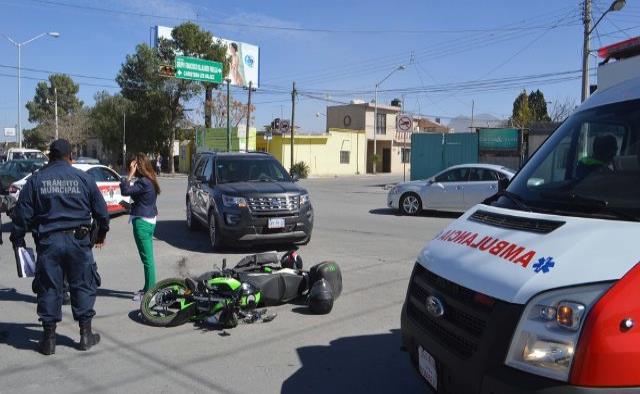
(57, 205)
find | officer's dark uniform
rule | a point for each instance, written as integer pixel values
(57, 204)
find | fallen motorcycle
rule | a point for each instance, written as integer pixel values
(227, 296)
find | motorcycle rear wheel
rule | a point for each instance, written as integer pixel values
(164, 305)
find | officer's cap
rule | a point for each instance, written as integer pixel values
(60, 148)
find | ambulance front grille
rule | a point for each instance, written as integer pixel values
(465, 318)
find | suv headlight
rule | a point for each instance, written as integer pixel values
(230, 201)
(549, 329)
(304, 199)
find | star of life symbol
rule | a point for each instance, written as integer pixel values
(544, 264)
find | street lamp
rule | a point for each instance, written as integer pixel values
(19, 45)
(617, 5)
(375, 111)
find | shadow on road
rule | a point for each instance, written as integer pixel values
(26, 336)
(10, 294)
(361, 364)
(176, 234)
(425, 213)
(115, 293)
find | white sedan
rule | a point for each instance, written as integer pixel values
(108, 182)
(457, 188)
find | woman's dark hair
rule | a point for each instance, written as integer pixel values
(145, 169)
(235, 46)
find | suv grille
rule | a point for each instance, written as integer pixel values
(274, 204)
(466, 313)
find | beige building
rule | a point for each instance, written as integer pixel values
(336, 152)
(393, 149)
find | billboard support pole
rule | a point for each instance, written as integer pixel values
(248, 116)
(228, 116)
(293, 127)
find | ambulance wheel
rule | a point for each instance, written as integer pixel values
(410, 204)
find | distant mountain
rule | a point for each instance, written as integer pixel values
(462, 124)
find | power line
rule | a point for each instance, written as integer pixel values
(283, 28)
(58, 72)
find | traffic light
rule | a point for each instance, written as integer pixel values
(167, 71)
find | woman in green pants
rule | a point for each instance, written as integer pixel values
(144, 192)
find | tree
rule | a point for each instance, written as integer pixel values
(195, 42)
(521, 115)
(107, 122)
(72, 116)
(538, 106)
(157, 100)
(219, 111)
(560, 110)
(42, 107)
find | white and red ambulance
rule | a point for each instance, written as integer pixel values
(537, 290)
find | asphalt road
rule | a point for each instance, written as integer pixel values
(355, 349)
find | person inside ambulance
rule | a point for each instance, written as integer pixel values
(605, 148)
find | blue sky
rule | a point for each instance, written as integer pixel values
(348, 47)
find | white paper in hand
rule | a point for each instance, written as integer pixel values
(26, 262)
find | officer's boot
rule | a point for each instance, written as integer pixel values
(48, 342)
(87, 338)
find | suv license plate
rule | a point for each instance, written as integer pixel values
(427, 366)
(276, 223)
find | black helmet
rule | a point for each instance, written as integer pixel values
(292, 260)
(320, 297)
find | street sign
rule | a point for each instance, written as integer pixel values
(404, 123)
(9, 131)
(198, 69)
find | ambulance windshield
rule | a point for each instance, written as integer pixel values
(589, 167)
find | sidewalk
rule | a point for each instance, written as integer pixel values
(174, 175)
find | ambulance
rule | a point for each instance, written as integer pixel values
(537, 289)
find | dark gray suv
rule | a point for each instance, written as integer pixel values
(247, 198)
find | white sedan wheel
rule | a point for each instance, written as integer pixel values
(410, 204)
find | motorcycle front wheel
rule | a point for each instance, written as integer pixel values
(166, 305)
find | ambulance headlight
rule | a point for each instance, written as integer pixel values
(549, 329)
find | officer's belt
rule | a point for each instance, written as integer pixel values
(79, 232)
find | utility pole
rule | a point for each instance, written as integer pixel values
(293, 127)
(248, 115)
(55, 94)
(124, 142)
(228, 115)
(585, 49)
(473, 104)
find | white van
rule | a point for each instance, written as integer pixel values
(25, 154)
(537, 290)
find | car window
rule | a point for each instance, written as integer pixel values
(482, 175)
(236, 169)
(97, 174)
(455, 175)
(108, 175)
(200, 164)
(208, 168)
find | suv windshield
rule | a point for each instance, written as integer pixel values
(589, 167)
(249, 169)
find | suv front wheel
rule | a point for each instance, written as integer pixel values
(215, 238)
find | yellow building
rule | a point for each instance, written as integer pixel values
(337, 152)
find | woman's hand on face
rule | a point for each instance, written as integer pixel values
(132, 169)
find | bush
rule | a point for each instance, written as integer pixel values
(301, 169)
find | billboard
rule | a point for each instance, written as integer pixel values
(499, 139)
(244, 58)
